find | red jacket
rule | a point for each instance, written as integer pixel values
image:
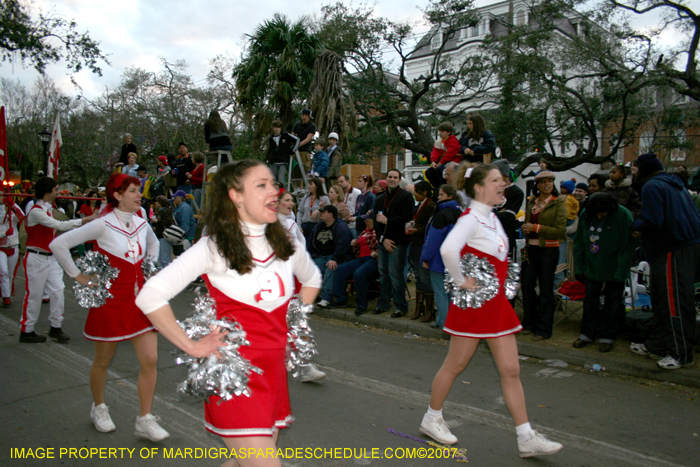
(449, 154)
(197, 175)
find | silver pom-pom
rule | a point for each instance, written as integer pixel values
(150, 267)
(299, 335)
(225, 377)
(486, 282)
(96, 266)
(512, 283)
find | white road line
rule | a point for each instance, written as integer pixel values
(189, 425)
(480, 416)
(59, 356)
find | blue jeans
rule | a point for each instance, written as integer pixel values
(279, 172)
(442, 298)
(165, 247)
(197, 192)
(391, 277)
(361, 270)
(327, 287)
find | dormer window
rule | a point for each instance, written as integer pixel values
(436, 41)
(520, 17)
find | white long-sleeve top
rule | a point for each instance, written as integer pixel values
(43, 216)
(268, 286)
(112, 235)
(17, 216)
(481, 230)
(292, 228)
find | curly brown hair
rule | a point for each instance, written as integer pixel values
(223, 222)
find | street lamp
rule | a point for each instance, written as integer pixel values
(45, 138)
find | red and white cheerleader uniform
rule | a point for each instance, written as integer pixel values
(12, 217)
(125, 239)
(478, 231)
(258, 301)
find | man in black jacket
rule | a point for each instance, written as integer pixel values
(509, 210)
(280, 147)
(392, 210)
(181, 166)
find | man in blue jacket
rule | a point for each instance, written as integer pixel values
(184, 217)
(670, 228)
(329, 245)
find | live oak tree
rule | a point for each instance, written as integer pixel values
(45, 40)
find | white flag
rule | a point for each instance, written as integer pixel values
(54, 149)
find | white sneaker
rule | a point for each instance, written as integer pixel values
(100, 417)
(670, 363)
(147, 427)
(437, 429)
(538, 445)
(641, 349)
(324, 303)
(310, 373)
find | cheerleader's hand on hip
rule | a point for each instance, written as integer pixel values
(469, 284)
(84, 280)
(209, 344)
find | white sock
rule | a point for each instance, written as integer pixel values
(434, 414)
(523, 432)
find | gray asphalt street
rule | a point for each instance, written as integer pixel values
(377, 380)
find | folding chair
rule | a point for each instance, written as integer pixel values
(564, 303)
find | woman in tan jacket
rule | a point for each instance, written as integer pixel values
(545, 223)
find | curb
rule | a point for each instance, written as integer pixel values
(646, 369)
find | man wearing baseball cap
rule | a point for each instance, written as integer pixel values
(336, 158)
(305, 130)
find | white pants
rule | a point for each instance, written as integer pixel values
(7, 270)
(40, 271)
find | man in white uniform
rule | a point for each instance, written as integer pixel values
(40, 266)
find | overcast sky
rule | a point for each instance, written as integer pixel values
(138, 32)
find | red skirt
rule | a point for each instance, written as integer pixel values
(267, 408)
(119, 319)
(496, 318)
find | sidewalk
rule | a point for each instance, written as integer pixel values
(619, 361)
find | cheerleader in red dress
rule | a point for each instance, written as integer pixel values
(126, 239)
(248, 263)
(285, 206)
(479, 232)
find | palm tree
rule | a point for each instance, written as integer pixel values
(278, 69)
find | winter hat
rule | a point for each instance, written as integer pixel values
(648, 164)
(569, 185)
(180, 193)
(503, 167)
(544, 174)
(582, 186)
